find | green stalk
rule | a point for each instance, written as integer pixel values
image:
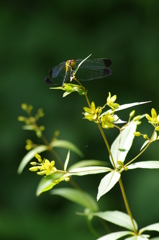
(106, 143)
(127, 205)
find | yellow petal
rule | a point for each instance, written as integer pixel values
(153, 113)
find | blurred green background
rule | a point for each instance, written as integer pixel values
(37, 35)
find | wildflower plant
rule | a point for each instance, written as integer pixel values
(105, 117)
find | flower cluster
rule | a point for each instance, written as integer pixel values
(94, 114)
(30, 122)
(70, 87)
(111, 102)
(108, 120)
(44, 167)
(154, 119)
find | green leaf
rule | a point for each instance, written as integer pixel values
(68, 145)
(47, 188)
(115, 236)
(58, 143)
(129, 105)
(66, 94)
(58, 88)
(117, 120)
(107, 183)
(155, 238)
(125, 106)
(47, 183)
(29, 156)
(152, 227)
(143, 237)
(144, 164)
(117, 217)
(85, 163)
(80, 197)
(144, 144)
(88, 170)
(67, 160)
(123, 141)
(69, 88)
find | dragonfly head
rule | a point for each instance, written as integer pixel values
(70, 64)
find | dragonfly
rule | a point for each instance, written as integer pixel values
(82, 70)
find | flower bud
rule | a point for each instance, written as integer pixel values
(137, 118)
(137, 134)
(145, 136)
(132, 114)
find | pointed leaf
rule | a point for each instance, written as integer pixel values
(152, 227)
(47, 188)
(80, 197)
(144, 164)
(67, 160)
(47, 183)
(118, 218)
(115, 236)
(88, 170)
(123, 143)
(85, 163)
(61, 88)
(66, 94)
(125, 106)
(29, 156)
(137, 238)
(107, 183)
(68, 145)
(144, 144)
(117, 120)
(129, 105)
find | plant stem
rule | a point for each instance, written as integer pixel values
(51, 150)
(127, 205)
(106, 143)
(88, 102)
(120, 181)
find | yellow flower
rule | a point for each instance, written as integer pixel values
(154, 120)
(92, 113)
(107, 120)
(48, 167)
(111, 100)
(43, 167)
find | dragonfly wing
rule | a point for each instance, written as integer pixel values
(97, 62)
(56, 75)
(93, 69)
(87, 74)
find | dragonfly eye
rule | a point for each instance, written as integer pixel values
(73, 63)
(70, 64)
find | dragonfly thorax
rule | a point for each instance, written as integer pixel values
(70, 64)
